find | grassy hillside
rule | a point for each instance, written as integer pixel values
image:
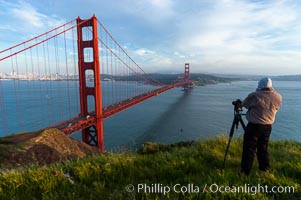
(155, 169)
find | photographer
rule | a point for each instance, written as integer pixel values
(262, 106)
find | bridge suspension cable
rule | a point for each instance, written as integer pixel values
(41, 84)
(116, 64)
(37, 80)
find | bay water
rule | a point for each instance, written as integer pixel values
(202, 113)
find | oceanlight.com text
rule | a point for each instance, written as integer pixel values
(252, 189)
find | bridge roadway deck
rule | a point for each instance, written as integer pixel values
(78, 123)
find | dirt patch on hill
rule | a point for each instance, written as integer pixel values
(45, 147)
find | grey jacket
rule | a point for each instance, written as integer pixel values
(262, 106)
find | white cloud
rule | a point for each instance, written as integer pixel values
(26, 13)
(151, 60)
(154, 12)
(213, 35)
(243, 33)
(24, 18)
(178, 54)
(144, 52)
(163, 5)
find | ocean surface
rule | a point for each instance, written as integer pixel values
(202, 113)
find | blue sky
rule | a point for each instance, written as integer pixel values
(214, 36)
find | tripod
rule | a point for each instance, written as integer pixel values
(237, 119)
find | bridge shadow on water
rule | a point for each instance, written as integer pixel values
(165, 129)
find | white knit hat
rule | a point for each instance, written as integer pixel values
(265, 82)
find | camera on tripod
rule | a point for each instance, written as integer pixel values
(237, 105)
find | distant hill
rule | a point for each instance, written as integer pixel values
(287, 78)
(204, 79)
(257, 77)
(199, 79)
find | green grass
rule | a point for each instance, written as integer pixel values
(106, 176)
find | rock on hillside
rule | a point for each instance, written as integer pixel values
(44, 147)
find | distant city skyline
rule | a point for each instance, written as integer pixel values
(215, 37)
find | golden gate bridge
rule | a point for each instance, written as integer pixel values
(76, 71)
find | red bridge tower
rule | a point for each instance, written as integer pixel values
(187, 78)
(92, 135)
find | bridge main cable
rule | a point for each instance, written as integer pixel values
(40, 42)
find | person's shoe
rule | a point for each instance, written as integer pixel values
(262, 172)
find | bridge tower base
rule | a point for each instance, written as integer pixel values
(87, 45)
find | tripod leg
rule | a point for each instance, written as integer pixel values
(242, 123)
(234, 124)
